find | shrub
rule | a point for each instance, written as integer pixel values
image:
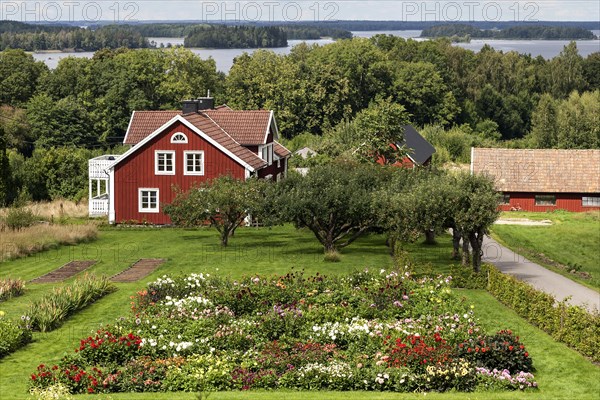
(502, 351)
(11, 288)
(572, 325)
(52, 392)
(12, 336)
(19, 218)
(52, 309)
(105, 348)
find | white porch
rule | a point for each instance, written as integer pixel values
(99, 185)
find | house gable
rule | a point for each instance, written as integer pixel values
(138, 170)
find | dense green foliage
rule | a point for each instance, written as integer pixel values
(333, 201)
(462, 98)
(572, 325)
(42, 37)
(530, 32)
(235, 37)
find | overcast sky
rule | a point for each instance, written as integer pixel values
(300, 10)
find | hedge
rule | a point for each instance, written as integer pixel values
(573, 325)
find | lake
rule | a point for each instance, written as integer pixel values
(224, 57)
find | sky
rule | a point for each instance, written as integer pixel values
(299, 10)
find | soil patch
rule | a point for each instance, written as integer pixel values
(140, 269)
(66, 271)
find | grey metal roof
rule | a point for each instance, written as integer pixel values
(419, 148)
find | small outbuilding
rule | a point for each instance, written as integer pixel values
(542, 179)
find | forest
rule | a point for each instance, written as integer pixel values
(235, 37)
(17, 35)
(294, 31)
(52, 121)
(531, 32)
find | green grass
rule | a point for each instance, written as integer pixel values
(561, 372)
(573, 238)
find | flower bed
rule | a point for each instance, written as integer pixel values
(50, 311)
(364, 331)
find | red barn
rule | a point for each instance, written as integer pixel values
(182, 148)
(542, 179)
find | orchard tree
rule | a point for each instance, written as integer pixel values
(224, 202)
(475, 211)
(378, 127)
(333, 201)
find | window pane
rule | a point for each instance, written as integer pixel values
(545, 200)
(591, 201)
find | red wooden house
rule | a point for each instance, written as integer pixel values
(542, 179)
(182, 148)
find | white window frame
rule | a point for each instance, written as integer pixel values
(185, 166)
(185, 139)
(141, 209)
(590, 201)
(270, 150)
(156, 155)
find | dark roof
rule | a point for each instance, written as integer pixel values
(420, 150)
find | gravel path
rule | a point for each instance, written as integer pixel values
(541, 278)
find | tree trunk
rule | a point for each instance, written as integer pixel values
(455, 243)
(476, 239)
(466, 255)
(429, 236)
(329, 246)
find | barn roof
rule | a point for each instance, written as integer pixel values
(539, 170)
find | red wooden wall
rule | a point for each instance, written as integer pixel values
(564, 201)
(138, 172)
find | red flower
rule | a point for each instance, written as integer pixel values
(510, 348)
(526, 354)
(90, 390)
(33, 377)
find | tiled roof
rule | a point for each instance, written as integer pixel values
(220, 136)
(143, 123)
(281, 150)
(540, 170)
(248, 127)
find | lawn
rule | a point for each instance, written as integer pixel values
(561, 372)
(573, 239)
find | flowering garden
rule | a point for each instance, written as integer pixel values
(369, 330)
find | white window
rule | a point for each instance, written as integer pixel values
(179, 137)
(266, 153)
(148, 200)
(164, 162)
(193, 163)
(590, 201)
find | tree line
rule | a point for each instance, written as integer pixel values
(41, 38)
(531, 32)
(457, 98)
(235, 37)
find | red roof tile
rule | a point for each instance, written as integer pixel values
(231, 129)
(248, 127)
(143, 123)
(281, 150)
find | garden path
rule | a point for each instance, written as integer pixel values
(541, 278)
